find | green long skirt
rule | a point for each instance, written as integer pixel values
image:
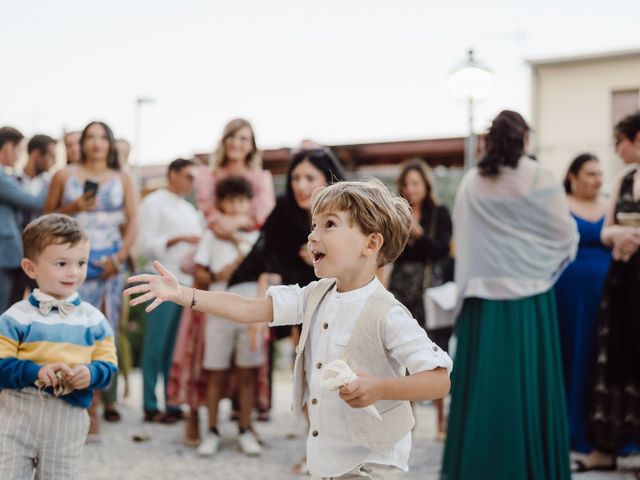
(508, 419)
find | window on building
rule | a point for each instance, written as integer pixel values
(623, 103)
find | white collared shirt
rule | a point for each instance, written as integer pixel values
(34, 185)
(330, 449)
(164, 215)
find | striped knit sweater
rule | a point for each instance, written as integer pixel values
(29, 340)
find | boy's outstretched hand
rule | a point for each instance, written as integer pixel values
(363, 391)
(159, 288)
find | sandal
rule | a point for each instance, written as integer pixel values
(152, 415)
(578, 466)
(112, 415)
(170, 418)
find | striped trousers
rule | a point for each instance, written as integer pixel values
(40, 433)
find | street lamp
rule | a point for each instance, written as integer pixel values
(140, 101)
(471, 82)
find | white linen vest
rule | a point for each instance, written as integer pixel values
(365, 351)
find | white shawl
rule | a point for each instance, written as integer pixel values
(513, 233)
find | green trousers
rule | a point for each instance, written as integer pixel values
(157, 350)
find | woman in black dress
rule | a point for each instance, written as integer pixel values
(282, 246)
(427, 251)
(614, 421)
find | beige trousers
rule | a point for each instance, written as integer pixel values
(40, 433)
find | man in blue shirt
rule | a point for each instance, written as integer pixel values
(12, 199)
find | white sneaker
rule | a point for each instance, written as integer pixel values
(248, 444)
(209, 445)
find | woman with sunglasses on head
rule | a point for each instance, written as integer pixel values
(102, 197)
(282, 246)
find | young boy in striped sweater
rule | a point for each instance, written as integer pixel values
(54, 351)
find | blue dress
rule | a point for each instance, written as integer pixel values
(578, 297)
(103, 225)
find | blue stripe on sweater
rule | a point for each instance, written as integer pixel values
(82, 335)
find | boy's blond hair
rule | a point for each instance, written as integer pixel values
(51, 229)
(373, 208)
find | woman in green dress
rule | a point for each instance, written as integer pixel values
(513, 235)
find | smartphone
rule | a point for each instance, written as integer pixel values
(90, 188)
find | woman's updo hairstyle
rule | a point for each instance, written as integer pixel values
(504, 143)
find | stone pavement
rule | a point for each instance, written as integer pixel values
(164, 456)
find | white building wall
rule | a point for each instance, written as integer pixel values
(572, 108)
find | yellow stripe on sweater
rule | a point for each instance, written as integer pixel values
(8, 347)
(105, 351)
(69, 353)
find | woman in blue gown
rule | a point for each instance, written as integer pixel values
(578, 293)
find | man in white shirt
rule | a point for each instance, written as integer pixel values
(170, 229)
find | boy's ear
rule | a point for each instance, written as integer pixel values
(374, 243)
(29, 268)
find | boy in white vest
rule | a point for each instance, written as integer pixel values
(348, 315)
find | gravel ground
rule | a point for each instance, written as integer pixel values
(164, 456)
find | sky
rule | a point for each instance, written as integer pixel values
(336, 71)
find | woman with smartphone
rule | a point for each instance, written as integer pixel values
(102, 197)
(614, 419)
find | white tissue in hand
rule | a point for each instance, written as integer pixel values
(336, 374)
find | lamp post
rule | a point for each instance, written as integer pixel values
(140, 101)
(470, 82)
